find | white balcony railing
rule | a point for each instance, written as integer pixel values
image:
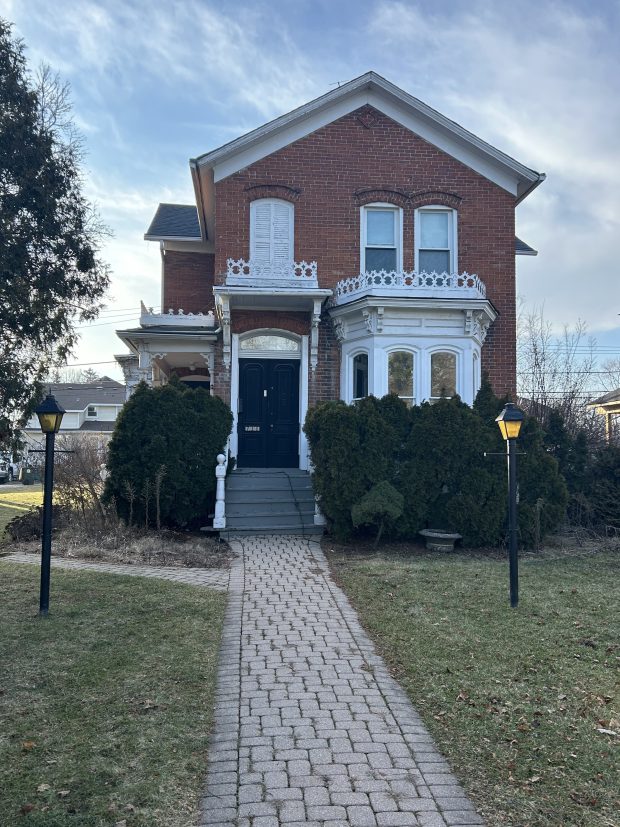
(241, 273)
(410, 285)
(178, 318)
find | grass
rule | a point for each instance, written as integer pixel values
(15, 501)
(105, 706)
(516, 699)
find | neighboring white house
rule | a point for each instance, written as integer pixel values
(91, 409)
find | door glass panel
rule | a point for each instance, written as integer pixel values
(360, 376)
(443, 374)
(380, 259)
(267, 342)
(434, 261)
(434, 230)
(400, 375)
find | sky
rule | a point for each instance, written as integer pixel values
(155, 83)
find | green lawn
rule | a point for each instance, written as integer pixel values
(105, 706)
(15, 501)
(516, 699)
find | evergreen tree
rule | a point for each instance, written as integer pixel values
(50, 272)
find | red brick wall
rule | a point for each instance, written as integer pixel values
(331, 173)
(188, 281)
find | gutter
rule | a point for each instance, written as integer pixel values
(202, 218)
(542, 176)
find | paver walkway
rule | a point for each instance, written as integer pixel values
(309, 726)
(213, 578)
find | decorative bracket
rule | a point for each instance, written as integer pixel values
(224, 314)
(209, 358)
(314, 334)
(340, 329)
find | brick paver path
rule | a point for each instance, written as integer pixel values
(213, 578)
(309, 726)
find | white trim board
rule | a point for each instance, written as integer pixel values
(405, 109)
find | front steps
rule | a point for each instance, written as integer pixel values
(269, 501)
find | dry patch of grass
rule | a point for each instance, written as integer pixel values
(524, 703)
(105, 706)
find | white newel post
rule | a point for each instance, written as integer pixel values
(219, 520)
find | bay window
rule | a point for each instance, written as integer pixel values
(400, 375)
(360, 376)
(443, 374)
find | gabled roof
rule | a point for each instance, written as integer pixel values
(174, 222)
(607, 399)
(76, 396)
(523, 249)
(402, 107)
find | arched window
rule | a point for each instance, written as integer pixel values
(360, 376)
(401, 376)
(271, 231)
(443, 375)
(435, 234)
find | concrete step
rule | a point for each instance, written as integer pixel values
(268, 483)
(250, 496)
(267, 521)
(267, 508)
(308, 531)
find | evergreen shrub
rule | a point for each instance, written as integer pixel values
(381, 507)
(162, 455)
(447, 481)
(353, 447)
(434, 456)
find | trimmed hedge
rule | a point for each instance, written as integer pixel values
(434, 456)
(172, 434)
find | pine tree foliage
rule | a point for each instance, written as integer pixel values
(50, 272)
(175, 428)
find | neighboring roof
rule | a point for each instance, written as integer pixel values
(174, 222)
(607, 399)
(97, 426)
(76, 396)
(376, 91)
(523, 249)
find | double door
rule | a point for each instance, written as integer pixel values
(268, 421)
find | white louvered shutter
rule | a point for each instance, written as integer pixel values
(271, 228)
(282, 222)
(260, 247)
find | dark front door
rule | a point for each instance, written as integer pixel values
(268, 413)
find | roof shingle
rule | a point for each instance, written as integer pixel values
(174, 221)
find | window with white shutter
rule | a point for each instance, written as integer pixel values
(271, 231)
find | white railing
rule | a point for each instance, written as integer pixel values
(241, 273)
(219, 519)
(175, 318)
(414, 285)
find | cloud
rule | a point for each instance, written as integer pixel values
(541, 92)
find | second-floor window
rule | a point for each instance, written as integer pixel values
(435, 240)
(92, 411)
(271, 231)
(381, 236)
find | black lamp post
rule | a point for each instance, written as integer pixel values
(50, 416)
(510, 421)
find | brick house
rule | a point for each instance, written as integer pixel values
(361, 244)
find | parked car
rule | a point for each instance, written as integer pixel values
(9, 470)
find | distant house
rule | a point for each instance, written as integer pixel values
(608, 406)
(91, 409)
